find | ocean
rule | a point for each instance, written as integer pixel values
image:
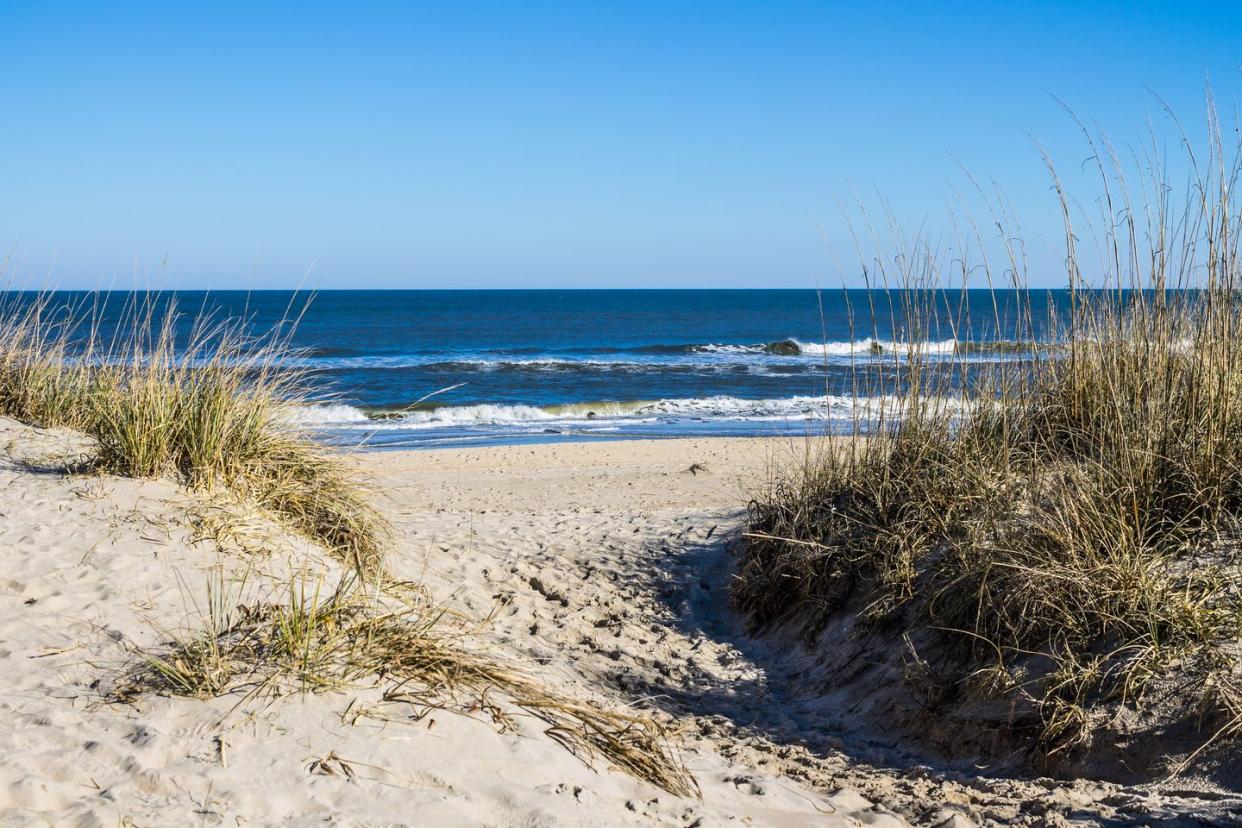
(409, 369)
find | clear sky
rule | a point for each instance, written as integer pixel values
(531, 144)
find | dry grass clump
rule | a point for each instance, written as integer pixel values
(212, 409)
(1066, 523)
(39, 383)
(312, 642)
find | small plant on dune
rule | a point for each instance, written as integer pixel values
(317, 640)
(213, 410)
(1066, 521)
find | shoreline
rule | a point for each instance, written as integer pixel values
(413, 439)
(643, 449)
(484, 442)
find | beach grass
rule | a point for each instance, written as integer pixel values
(417, 655)
(1063, 526)
(213, 410)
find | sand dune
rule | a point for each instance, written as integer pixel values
(600, 568)
(97, 567)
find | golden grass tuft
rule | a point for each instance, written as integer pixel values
(1065, 522)
(315, 641)
(212, 409)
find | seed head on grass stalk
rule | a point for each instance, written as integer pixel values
(1075, 506)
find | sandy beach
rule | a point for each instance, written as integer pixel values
(599, 568)
(579, 414)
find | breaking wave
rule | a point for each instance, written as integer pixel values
(598, 414)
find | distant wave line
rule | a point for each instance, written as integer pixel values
(713, 408)
(785, 351)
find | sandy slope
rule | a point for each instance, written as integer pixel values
(603, 569)
(96, 567)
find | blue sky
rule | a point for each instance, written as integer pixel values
(548, 145)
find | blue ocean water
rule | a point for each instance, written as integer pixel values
(437, 368)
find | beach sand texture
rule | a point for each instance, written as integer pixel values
(99, 566)
(601, 569)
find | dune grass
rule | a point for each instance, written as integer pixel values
(211, 410)
(318, 639)
(1065, 524)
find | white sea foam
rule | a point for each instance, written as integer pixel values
(872, 346)
(602, 415)
(475, 415)
(729, 349)
(327, 414)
